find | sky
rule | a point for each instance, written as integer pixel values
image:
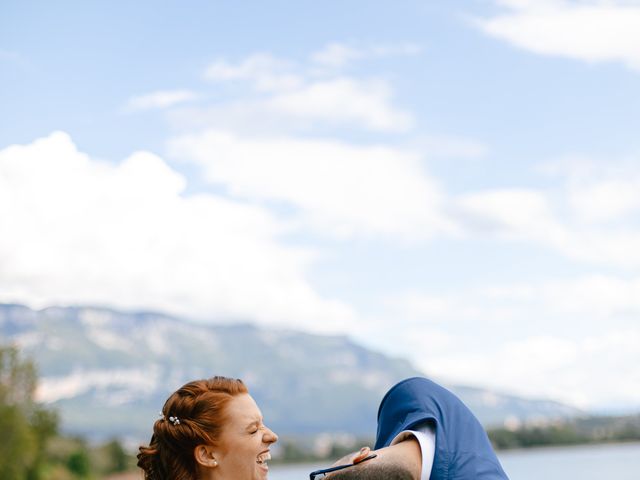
(455, 183)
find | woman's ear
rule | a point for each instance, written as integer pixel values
(205, 456)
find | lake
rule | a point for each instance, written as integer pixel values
(594, 462)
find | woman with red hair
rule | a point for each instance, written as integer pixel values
(208, 429)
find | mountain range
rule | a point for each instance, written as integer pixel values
(108, 372)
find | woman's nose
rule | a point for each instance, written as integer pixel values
(270, 436)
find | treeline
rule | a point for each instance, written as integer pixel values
(569, 432)
(31, 446)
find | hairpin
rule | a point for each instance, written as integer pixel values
(174, 420)
(160, 416)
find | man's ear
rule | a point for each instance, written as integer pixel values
(205, 456)
(361, 455)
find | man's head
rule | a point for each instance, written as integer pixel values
(402, 461)
(373, 471)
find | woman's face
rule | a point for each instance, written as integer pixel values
(243, 449)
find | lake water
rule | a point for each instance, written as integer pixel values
(619, 462)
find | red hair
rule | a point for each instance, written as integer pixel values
(200, 408)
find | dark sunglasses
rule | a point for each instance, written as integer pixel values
(324, 471)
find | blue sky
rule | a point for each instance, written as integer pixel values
(455, 182)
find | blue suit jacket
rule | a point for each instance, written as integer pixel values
(463, 450)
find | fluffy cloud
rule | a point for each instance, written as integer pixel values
(588, 216)
(593, 31)
(159, 99)
(510, 212)
(585, 217)
(450, 147)
(549, 338)
(596, 297)
(344, 101)
(267, 72)
(337, 104)
(336, 188)
(600, 192)
(590, 372)
(76, 230)
(284, 92)
(337, 55)
(606, 200)
(264, 71)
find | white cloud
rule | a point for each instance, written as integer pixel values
(590, 373)
(511, 212)
(76, 230)
(285, 93)
(159, 99)
(605, 200)
(596, 297)
(264, 71)
(336, 188)
(337, 55)
(576, 303)
(554, 219)
(573, 218)
(450, 147)
(422, 309)
(550, 338)
(334, 104)
(592, 31)
(344, 101)
(602, 192)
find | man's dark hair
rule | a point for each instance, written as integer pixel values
(374, 471)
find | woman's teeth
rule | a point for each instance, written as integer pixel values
(263, 458)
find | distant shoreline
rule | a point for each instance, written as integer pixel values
(578, 431)
(595, 445)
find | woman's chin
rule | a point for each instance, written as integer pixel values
(263, 470)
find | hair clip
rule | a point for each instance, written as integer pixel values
(160, 416)
(174, 420)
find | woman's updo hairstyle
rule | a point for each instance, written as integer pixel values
(192, 416)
